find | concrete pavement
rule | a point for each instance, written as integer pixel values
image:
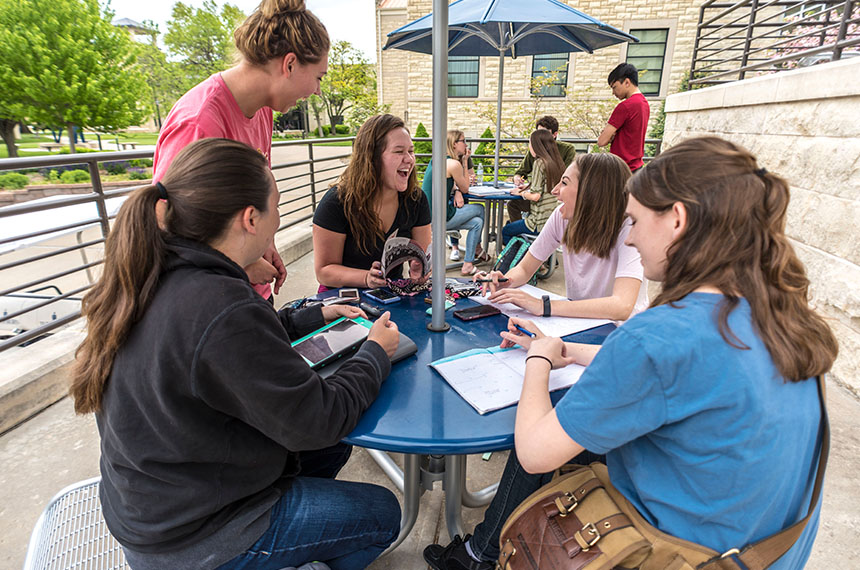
(56, 448)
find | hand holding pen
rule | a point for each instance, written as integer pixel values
(520, 333)
(491, 282)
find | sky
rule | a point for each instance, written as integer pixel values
(350, 20)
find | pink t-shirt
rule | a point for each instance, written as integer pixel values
(588, 276)
(210, 110)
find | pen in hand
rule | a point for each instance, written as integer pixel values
(499, 280)
(525, 331)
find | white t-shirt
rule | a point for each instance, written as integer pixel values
(588, 276)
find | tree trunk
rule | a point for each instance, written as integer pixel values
(70, 128)
(7, 131)
(25, 130)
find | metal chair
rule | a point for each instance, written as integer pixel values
(71, 533)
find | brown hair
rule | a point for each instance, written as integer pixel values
(207, 183)
(600, 203)
(548, 122)
(453, 136)
(360, 184)
(279, 27)
(735, 241)
(546, 149)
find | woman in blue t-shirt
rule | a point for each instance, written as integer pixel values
(704, 404)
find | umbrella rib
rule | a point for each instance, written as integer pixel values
(546, 29)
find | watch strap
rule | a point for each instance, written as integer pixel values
(547, 307)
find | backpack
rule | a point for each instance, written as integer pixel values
(512, 254)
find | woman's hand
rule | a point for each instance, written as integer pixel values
(333, 312)
(274, 258)
(458, 199)
(519, 298)
(515, 337)
(493, 285)
(373, 278)
(553, 349)
(385, 333)
(261, 272)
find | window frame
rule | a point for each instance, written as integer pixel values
(477, 73)
(668, 54)
(565, 75)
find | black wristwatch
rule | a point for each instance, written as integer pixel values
(547, 307)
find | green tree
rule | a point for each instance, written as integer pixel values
(165, 78)
(486, 148)
(350, 84)
(200, 40)
(68, 66)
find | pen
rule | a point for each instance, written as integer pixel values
(500, 280)
(524, 331)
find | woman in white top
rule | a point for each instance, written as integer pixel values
(603, 275)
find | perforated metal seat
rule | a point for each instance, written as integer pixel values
(71, 533)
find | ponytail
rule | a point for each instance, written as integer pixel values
(207, 183)
(279, 27)
(134, 255)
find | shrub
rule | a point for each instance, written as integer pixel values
(485, 148)
(75, 176)
(326, 129)
(138, 175)
(78, 149)
(422, 147)
(53, 176)
(341, 129)
(141, 162)
(116, 167)
(13, 180)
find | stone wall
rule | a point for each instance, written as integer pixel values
(802, 125)
(405, 77)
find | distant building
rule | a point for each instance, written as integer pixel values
(138, 31)
(666, 31)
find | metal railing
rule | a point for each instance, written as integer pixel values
(759, 36)
(37, 268)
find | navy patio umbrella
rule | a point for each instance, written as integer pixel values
(508, 28)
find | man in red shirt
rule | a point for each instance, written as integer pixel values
(629, 120)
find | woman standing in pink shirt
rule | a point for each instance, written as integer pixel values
(284, 55)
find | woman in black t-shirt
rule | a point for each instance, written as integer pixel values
(376, 195)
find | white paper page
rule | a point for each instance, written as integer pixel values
(551, 326)
(558, 379)
(483, 381)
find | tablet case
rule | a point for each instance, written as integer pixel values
(405, 348)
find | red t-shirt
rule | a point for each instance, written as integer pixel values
(210, 110)
(630, 119)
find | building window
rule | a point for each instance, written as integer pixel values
(463, 76)
(649, 57)
(543, 65)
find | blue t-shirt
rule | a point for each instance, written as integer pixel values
(706, 440)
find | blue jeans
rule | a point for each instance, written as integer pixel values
(347, 525)
(514, 487)
(470, 217)
(512, 229)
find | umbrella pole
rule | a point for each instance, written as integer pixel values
(499, 115)
(439, 190)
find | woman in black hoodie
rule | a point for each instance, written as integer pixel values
(219, 444)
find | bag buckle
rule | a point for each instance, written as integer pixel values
(564, 510)
(586, 544)
(731, 552)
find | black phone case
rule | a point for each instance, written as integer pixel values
(470, 316)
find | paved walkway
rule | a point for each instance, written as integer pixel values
(56, 448)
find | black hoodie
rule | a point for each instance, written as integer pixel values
(204, 410)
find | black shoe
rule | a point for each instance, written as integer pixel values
(453, 556)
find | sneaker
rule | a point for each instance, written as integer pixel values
(455, 254)
(454, 556)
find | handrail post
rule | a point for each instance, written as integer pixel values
(96, 180)
(843, 29)
(696, 42)
(313, 177)
(748, 42)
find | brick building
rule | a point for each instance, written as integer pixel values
(581, 99)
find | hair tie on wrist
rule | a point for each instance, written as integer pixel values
(162, 191)
(760, 172)
(539, 356)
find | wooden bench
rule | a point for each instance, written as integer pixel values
(127, 145)
(50, 146)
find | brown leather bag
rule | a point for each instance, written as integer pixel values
(580, 521)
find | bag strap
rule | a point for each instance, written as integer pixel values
(760, 555)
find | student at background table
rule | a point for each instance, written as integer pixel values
(376, 195)
(283, 51)
(546, 174)
(219, 444)
(705, 404)
(460, 216)
(603, 275)
(516, 208)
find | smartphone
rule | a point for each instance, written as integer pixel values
(448, 305)
(382, 296)
(348, 293)
(478, 312)
(338, 338)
